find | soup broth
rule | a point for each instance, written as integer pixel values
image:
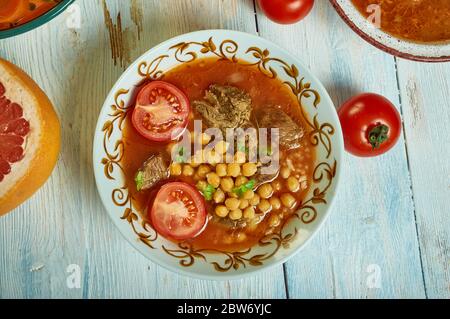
(194, 78)
(17, 12)
(415, 20)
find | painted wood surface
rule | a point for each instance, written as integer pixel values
(425, 99)
(388, 235)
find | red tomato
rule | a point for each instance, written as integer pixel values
(178, 211)
(286, 11)
(371, 125)
(161, 112)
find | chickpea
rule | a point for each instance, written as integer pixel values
(201, 185)
(232, 195)
(193, 163)
(232, 203)
(227, 184)
(249, 212)
(219, 196)
(227, 239)
(221, 169)
(275, 202)
(285, 172)
(240, 237)
(240, 180)
(253, 224)
(276, 185)
(249, 169)
(213, 179)
(212, 157)
(239, 157)
(264, 206)
(236, 214)
(292, 184)
(175, 169)
(233, 170)
(188, 170)
(244, 204)
(203, 170)
(274, 220)
(221, 147)
(249, 194)
(255, 199)
(221, 211)
(204, 138)
(288, 200)
(265, 190)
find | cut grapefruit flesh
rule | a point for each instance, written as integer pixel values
(13, 131)
(29, 137)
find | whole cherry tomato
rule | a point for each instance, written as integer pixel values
(370, 123)
(286, 11)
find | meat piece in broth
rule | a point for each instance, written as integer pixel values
(225, 107)
(290, 132)
(154, 170)
(261, 178)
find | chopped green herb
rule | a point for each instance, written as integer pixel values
(181, 155)
(139, 179)
(242, 148)
(208, 192)
(267, 150)
(244, 187)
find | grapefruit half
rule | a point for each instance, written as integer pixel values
(29, 137)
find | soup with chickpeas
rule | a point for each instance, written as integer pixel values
(216, 196)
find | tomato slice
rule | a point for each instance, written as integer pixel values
(161, 112)
(178, 211)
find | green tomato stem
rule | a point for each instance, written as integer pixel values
(378, 135)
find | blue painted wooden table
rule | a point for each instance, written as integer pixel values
(388, 234)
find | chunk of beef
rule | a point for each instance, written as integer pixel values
(261, 178)
(290, 132)
(225, 107)
(228, 223)
(152, 171)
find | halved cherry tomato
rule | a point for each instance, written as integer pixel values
(178, 211)
(161, 112)
(12, 10)
(371, 125)
(286, 11)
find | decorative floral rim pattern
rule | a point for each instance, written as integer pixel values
(320, 135)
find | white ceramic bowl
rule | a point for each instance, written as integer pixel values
(325, 131)
(426, 52)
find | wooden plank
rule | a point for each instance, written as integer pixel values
(424, 92)
(368, 247)
(65, 222)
